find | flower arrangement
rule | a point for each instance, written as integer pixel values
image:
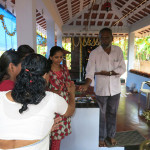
(146, 114)
(41, 40)
(5, 28)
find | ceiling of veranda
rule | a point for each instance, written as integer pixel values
(87, 17)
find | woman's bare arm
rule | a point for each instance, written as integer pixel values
(71, 103)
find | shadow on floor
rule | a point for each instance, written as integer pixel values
(132, 147)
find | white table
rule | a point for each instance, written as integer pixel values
(85, 131)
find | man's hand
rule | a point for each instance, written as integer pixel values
(83, 88)
(114, 73)
(105, 73)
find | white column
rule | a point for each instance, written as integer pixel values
(59, 38)
(26, 22)
(50, 35)
(131, 56)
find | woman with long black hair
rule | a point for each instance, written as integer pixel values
(27, 112)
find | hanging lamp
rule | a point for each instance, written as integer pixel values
(107, 6)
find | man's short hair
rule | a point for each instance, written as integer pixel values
(105, 29)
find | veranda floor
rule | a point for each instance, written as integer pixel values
(129, 115)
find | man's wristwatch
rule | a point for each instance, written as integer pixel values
(110, 73)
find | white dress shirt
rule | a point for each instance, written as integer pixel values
(98, 61)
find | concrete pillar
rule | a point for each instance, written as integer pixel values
(59, 38)
(26, 22)
(131, 56)
(50, 35)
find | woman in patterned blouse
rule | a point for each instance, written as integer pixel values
(59, 83)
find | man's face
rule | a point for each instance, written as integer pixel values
(105, 38)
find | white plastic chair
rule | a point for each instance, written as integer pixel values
(145, 91)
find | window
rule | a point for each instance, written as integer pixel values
(142, 54)
(7, 24)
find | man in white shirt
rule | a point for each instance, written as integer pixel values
(105, 66)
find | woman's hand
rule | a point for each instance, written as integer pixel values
(71, 102)
(57, 123)
(71, 87)
(55, 91)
